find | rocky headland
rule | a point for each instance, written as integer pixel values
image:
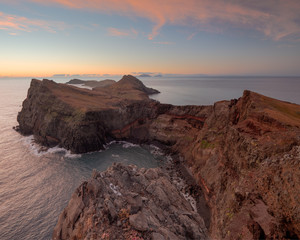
(242, 154)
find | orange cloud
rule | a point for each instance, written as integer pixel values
(122, 33)
(13, 22)
(276, 20)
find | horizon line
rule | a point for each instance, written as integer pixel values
(149, 75)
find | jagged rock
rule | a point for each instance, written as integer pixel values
(139, 221)
(93, 209)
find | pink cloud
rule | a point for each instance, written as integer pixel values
(191, 36)
(19, 23)
(164, 43)
(276, 20)
(122, 33)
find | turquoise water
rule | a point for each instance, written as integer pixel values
(35, 187)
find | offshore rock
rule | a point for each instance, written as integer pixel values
(116, 204)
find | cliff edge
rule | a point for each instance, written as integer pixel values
(81, 119)
(244, 153)
(125, 202)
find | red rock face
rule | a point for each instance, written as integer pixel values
(245, 153)
(246, 157)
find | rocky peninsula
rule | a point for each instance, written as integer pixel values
(243, 155)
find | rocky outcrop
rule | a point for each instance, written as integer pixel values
(82, 120)
(244, 154)
(125, 202)
(129, 82)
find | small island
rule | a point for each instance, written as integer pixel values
(240, 158)
(144, 75)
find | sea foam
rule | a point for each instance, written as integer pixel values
(39, 150)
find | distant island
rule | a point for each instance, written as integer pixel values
(239, 159)
(145, 75)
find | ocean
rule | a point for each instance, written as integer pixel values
(35, 187)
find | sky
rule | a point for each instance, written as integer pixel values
(214, 37)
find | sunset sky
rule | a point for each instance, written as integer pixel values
(216, 37)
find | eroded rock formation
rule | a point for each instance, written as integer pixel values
(125, 202)
(80, 119)
(244, 154)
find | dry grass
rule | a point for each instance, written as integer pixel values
(104, 98)
(284, 112)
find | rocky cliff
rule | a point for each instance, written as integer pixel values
(244, 154)
(125, 202)
(83, 120)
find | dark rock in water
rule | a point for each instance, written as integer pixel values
(16, 128)
(101, 208)
(144, 75)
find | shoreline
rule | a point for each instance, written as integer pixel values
(222, 146)
(173, 166)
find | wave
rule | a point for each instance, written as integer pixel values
(129, 145)
(81, 86)
(124, 144)
(39, 150)
(158, 153)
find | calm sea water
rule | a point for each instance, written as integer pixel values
(35, 187)
(207, 90)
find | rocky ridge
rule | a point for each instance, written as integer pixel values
(243, 153)
(125, 202)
